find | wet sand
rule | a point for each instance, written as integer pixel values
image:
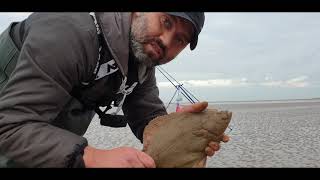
(265, 134)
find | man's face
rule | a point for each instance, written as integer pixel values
(157, 38)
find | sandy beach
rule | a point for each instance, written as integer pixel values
(265, 134)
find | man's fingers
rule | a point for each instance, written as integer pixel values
(146, 160)
(209, 151)
(197, 107)
(225, 138)
(214, 146)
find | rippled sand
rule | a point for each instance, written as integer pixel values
(265, 134)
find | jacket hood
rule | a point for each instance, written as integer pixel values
(116, 32)
(115, 28)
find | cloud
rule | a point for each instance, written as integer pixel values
(272, 83)
(297, 82)
(210, 83)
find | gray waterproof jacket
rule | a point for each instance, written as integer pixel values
(45, 107)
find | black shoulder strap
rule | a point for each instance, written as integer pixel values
(111, 120)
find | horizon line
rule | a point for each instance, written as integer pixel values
(262, 100)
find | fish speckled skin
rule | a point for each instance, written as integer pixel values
(179, 139)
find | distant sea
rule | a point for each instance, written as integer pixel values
(221, 94)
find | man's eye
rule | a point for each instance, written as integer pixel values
(181, 41)
(167, 23)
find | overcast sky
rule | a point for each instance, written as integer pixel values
(245, 56)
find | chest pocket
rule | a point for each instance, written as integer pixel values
(8, 56)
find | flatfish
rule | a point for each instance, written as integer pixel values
(179, 139)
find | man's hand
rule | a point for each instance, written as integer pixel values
(212, 146)
(122, 157)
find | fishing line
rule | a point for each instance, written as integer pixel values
(184, 91)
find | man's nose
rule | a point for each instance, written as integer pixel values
(167, 39)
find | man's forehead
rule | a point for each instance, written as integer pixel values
(187, 25)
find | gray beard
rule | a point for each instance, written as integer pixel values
(138, 52)
(138, 29)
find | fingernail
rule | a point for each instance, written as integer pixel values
(213, 144)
